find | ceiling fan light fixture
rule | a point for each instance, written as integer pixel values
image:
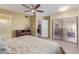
(33, 10)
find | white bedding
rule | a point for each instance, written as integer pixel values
(32, 45)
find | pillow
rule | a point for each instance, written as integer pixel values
(3, 47)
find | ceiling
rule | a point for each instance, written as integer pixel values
(47, 8)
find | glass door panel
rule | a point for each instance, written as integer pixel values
(57, 29)
(70, 29)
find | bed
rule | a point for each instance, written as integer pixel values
(30, 45)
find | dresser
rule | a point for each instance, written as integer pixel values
(22, 32)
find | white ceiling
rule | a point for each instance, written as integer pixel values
(47, 8)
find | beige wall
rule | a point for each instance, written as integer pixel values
(70, 13)
(17, 21)
(33, 25)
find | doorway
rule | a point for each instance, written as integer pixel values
(42, 28)
(4, 27)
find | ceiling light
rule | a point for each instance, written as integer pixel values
(33, 10)
(64, 8)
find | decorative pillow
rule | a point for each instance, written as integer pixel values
(3, 46)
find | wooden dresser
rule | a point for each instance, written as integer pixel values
(22, 32)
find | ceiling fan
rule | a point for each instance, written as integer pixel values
(33, 8)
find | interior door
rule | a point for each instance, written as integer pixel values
(44, 28)
(4, 27)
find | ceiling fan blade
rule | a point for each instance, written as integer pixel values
(37, 6)
(39, 11)
(27, 11)
(26, 6)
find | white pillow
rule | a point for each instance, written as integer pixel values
(3, 46)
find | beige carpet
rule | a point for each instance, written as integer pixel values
(69, 48)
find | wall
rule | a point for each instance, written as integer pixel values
(33, 25)
(18, 21)
(69, 13)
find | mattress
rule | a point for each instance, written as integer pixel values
(32, 45)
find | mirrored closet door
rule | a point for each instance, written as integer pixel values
(57, 29)
(70, 29)
(65, 29)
